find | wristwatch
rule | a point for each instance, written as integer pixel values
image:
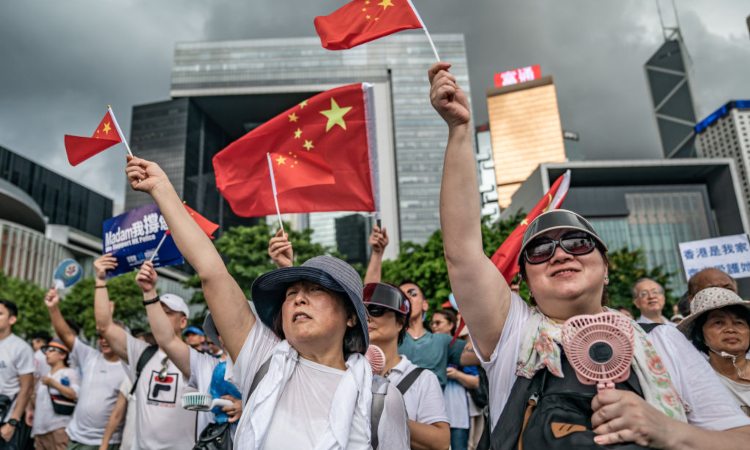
(12, 422)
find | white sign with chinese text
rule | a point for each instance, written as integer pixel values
(730, 254)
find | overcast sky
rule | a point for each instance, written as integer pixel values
(62, 62)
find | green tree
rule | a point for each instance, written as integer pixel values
(32, 314)
(245, 252)
(625, 268)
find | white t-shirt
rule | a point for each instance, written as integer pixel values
(41, 368)
(45, 419)
(302, 412)
(456, 404)
(128, 431)
(711, 406)
(740, 391)
(161, 423)
(16, 359)
(100, 383)
(664, 320)
(424, 398)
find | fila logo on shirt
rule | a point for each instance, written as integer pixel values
(163, 391)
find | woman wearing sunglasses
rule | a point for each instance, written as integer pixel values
(564, 264)
(387, 318)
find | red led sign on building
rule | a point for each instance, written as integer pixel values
(516, 76)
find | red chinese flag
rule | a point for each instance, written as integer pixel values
(329, 134)
(361, 21)
(506, 257)
(81, 148)
(206, 225)
(300, 168)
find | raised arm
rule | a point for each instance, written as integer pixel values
(481, 292)
(225, 298)
(177, 350)
(62, 329)
(378, 243)
(115, 335)
(280, 250)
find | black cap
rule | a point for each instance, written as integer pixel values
(387, 296)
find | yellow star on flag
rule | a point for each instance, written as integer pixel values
(106, 128)
(303, 104)
(297, 133)
(293, 117)
(281, 160)
(335, 115)
(308, 145)
(385, 4)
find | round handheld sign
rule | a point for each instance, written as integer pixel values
(67, 274)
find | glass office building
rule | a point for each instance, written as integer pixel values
(62, 201)
(221, 90)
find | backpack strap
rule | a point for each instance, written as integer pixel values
(142, 361)
(379, 391)
(409, 379)
(262, 371)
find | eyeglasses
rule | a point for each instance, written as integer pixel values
(376, 311)
(542, 249)
(652, 292)
(54, 349)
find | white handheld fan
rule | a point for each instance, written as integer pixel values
(599, 348)
(198, 401)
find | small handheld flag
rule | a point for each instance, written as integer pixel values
(107, 134)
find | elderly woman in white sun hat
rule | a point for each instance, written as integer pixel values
(719, 326)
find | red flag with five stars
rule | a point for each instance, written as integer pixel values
(327, 144)
(80, 148)
(361, 21)
(506, 256)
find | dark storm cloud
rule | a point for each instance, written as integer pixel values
(62, 62)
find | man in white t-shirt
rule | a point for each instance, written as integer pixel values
(648, 297)
(102, 373)
(16, 378)
(161, 423)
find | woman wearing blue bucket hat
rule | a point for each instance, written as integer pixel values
(298, 353)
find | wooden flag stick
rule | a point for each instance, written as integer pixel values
(156, 251)
(426, 32)
(119, 131)
(275, 195)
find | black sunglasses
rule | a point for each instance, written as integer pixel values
(575, 243)
(376, 311)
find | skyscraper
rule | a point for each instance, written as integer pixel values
(525, 130)
(669, 87)
(726, 134)
(221, 90)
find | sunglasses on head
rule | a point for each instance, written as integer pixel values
(574, 243)
(54, 349)
(376, 311)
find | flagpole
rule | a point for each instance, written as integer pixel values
(156, 251)
(119, 131)
(275, 195)
(426, 32)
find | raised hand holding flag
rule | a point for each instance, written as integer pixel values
(107, 134)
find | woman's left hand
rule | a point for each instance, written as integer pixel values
(48, 381)
(623, 416)
(452, 373)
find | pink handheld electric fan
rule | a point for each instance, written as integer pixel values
(599, 348)
(376, 358)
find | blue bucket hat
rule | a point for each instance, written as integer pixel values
(269, 290)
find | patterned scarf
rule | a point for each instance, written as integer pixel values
(540, 348)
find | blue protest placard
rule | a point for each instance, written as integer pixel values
(133, 236)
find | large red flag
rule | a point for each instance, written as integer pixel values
(361, 21)
(80, 148)
(206, 225)
(336, 126)
(506, 257)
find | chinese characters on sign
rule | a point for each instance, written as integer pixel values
(133, 236)
(730, 254)
(516, 76)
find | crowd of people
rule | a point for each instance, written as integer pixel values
(321, 359)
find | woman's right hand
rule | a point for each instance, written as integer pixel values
(103, 264)
(145, 176)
